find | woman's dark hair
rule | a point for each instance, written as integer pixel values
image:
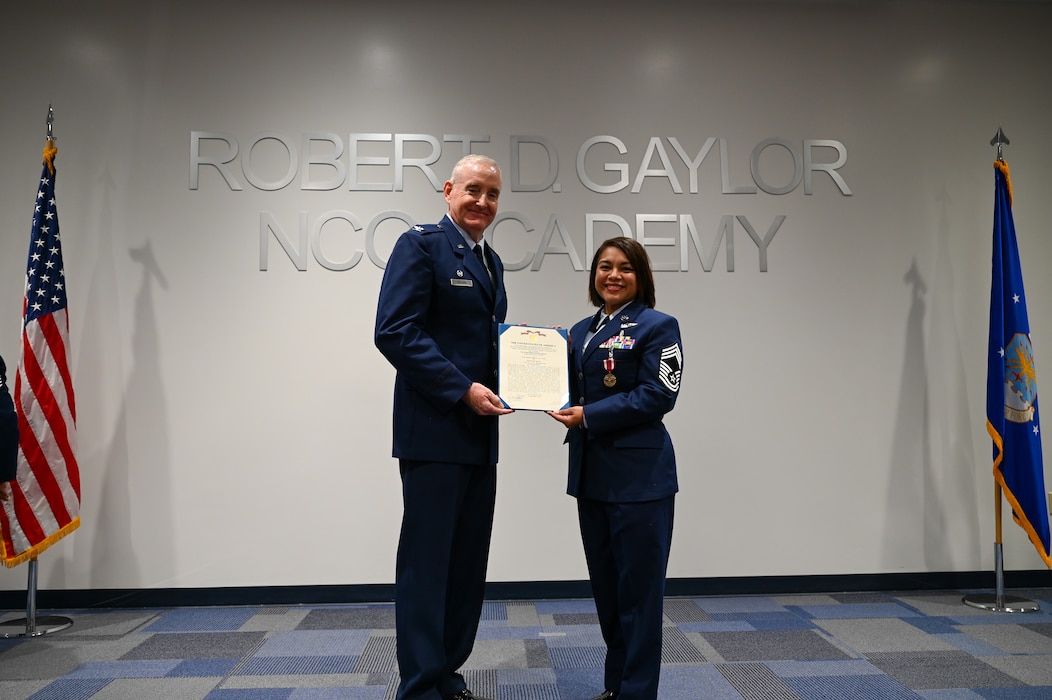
(640, 261)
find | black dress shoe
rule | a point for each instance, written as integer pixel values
(467, 695)
(606, 695)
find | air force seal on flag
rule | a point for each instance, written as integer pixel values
(670, 371)
(1020, 380)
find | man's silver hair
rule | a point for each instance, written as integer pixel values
(473, 158)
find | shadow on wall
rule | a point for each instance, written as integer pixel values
(932, 464)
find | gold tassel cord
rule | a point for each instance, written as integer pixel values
(1003, 167)
(50, 149)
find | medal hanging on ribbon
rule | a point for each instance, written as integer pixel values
(608, 365)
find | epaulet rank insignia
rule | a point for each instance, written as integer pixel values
(427, 228)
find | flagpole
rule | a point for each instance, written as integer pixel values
(33, 626)
(36, 626)
(999, 602)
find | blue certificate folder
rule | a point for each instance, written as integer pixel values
(533, 367)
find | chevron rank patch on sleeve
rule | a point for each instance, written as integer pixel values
(671, 368)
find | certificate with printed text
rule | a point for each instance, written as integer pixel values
(533, 370)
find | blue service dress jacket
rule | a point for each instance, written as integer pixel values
(436, 323)
(8, 430)
(625, 454)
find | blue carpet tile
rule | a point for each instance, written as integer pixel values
(851, 646)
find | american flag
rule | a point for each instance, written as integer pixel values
(45, 502)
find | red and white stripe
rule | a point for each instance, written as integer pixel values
(45, 503)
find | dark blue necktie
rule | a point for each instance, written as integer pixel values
(599, 322)
(482, 259)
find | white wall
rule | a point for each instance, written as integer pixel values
(234, 422)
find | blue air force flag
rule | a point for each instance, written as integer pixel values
(1011, 382)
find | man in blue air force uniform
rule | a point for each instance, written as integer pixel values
(8, 436)
(441, 299)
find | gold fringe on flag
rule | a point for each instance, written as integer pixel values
(39, 547)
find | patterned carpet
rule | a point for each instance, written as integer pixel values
(869, 646)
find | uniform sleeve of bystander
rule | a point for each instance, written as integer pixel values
(8, 429)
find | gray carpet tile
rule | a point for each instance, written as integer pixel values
(574, 636)
(273, 610)
(312, 680)
(684, 610)
(967, 643)
(804, 599)
(526, 676)
(497, 654)
(873, 635)
(110, 625)
(676, 648)
(777, 646)
(853, 688)
(195, 645)
(855, 611)
(529, 692)
(481, 682)
(707, 651)
(54, 657)
(131, 669)
(1044, 628)
(140, 689)
(1012, 639)
(22, 689)
(378, 656)
(380, 678)
(537, 655)
(316, 642)
(363, 618)
(941, 669)
(843, 667)
(938, 604)
(575, 619)
(745, 604)
(755, 681)
(297, 665)
(862, 598)
(550, 607)
(522, 614)
(1031, 669)
(263, 621)
(868, 646)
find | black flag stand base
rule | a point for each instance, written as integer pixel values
(33, 626)
(999, 602)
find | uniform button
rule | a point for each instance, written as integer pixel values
(581, 401)
(494, 318)
(494, 345)
(580, 375)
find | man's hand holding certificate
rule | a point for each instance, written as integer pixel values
(533, 367)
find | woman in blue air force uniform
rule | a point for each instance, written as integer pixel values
(625, 369)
